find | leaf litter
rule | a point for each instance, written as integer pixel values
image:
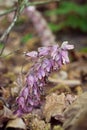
(64, 104)
(57, 101)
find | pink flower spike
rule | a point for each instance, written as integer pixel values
(46, 60)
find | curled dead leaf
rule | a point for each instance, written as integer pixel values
(16, 123)
(54, 106)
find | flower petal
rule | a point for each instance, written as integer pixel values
(32, 54)
(65, 46)
(43, 51)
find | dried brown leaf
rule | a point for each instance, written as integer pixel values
(76, 113)
(16, 123)
(54, 106)
(5, 113)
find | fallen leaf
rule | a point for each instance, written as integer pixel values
(5, 113)
(16, 123)
(54, 106)
(76, 114)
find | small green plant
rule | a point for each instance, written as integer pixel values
(1, 45)
(84, 50)
(75, 16)
(26, 38)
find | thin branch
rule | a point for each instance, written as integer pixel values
(19, 10)
(7, 32)
(8, 11)
(14, 20)
(4, 45)
(28, 4)
(9, 28)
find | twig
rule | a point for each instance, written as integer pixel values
(9, 28)
(19, 10)
(67, 82)
(8, 11)
(7, 32)
(4, 45)
(28, 4)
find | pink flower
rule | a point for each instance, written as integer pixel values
(43, 51)
(48, 59)
(66, 46)
(32, 54)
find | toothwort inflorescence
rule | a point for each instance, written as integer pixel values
(46, 60)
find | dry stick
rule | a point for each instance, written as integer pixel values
(19, 10)
(7, 32)
(28, 4)
(8, 11)
(9, 28)
(67, 82)
(21, 7)
(4, 45)
(25, 2)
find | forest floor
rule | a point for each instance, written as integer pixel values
(64, 95)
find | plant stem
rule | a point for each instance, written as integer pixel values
(18, 12)
(28, 4)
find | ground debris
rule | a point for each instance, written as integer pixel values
(16, 123)
(55, 104)
(5, 113)
(76, 114)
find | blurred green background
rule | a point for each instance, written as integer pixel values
(70, 14)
